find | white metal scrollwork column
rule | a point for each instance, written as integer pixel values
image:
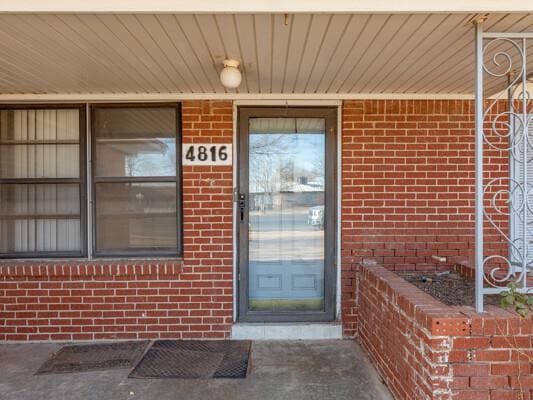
(504, 163)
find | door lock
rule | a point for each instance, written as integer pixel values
(242, 205)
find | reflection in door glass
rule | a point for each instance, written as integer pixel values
(286, 214)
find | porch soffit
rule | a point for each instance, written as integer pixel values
(167, 55)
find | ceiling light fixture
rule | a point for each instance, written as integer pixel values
(230, 76)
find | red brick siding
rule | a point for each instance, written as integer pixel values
(426, 350)
(408, 181)
(408, 173)
(188, 298)
(87, 301)
(207, 218)
(408, 187)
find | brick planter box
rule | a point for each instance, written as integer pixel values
(424, 349)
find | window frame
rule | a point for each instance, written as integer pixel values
(177, 179)
(81, 181)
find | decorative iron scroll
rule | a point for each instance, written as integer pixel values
(504, 163)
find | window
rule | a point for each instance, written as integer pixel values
(135, 180)
(42, 184)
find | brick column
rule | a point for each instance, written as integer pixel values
(207, 217)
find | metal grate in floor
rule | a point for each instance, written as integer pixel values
(91, 357)
(194, 359)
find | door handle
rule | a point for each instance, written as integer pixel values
(242, 205)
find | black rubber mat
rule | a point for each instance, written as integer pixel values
(91, 357)
(194, 359)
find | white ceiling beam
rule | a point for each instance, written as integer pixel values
(264, 6)
(153, 97)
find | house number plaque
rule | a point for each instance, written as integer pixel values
(206, 154)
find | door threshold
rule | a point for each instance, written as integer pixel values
(286, 331)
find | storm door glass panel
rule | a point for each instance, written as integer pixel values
(286, 214)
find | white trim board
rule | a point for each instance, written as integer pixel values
(338, 233)
(262, 6)
(277, 97)
(235, 242)
(288, 102)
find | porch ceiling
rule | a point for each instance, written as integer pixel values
(313, 54)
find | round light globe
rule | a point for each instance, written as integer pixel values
(230, 76)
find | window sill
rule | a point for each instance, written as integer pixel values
(36, 269)
(93, 260)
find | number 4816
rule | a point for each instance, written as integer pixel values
(214, 153)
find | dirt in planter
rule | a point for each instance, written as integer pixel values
(450, 288)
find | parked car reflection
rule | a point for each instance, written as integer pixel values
(315, 216)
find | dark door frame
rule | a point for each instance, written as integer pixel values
(330, 214)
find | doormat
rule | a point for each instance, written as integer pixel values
(194, 359)
(92, 357)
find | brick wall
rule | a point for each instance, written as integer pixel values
(408, 187)
(87, 301)
(426, 350)
(408, 181)
(185, 298)
(408, 171)
(207, 218)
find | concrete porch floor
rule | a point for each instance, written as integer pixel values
(279, 370)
